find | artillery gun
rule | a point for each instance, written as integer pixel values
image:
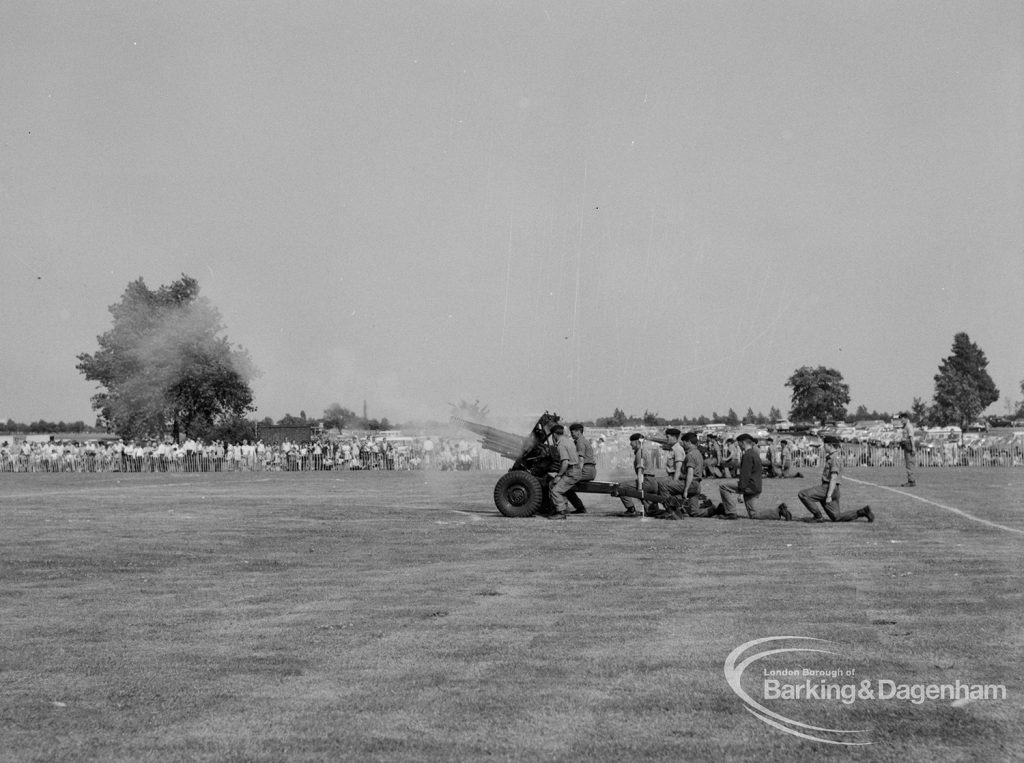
(524, 489)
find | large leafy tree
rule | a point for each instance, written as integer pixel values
(163, 366)
(818, 393)
(963, 388)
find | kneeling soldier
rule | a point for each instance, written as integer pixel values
(826, 495)
(748, 485)
(645, 466)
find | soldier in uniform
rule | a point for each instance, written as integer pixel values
(730, 461)
(568, 473)
(673, 484)
(769, 458)
(786, 461)
(712, 452)
(748, 485)
(909, 451)
(645, 466)
(588, 462)
(826, 495)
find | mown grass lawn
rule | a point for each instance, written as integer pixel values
(397, 616)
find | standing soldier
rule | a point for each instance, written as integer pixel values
(909, 451)
(769, 458)
(568, 473)
(826, 495)
(786, 460)
(588, 461)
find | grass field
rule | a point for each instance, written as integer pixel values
(396, 616)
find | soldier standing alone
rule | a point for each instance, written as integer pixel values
(909, 451)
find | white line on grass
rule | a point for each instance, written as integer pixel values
(940, 505)
(469, 514)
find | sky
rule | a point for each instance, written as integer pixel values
(565, 206)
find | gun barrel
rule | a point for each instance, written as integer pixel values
(507, 444)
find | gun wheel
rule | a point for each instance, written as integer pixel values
(518, 494)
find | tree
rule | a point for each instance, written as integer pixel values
(731, 418)
(774, 414)
(749, 417)
(963, 388)
(163, 366)
(617, 419)
(337, 416)
(233, 429)
(818, 394)
(919, 412)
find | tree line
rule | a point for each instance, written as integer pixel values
(47, 427)
(963, 389)
(335, 416)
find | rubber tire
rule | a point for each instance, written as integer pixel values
(518, 494)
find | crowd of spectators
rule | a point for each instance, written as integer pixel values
(351, 453)
(374, 452)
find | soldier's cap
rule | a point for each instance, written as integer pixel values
(689, 437)
(831, 439)
(672, 432)
(744, 437)
(557, 429)
(635, 436)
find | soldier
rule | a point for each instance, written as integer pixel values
(909, 451)
(769, 458)
(730, 459)
(712, 453)
(786, 461)
(826, 495)
(674, 483)
(568, 473)
(748, 485)
(692, 476)
(588, 462)
(645, 466)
